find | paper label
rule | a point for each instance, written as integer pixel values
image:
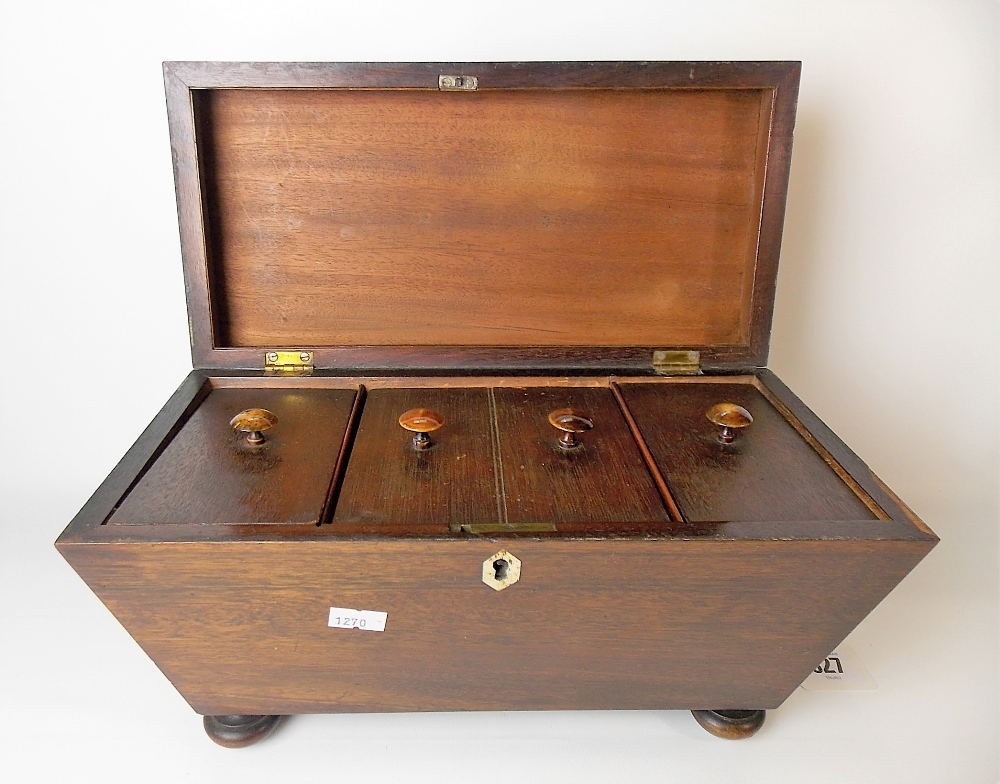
(366, 620)
(841, 670)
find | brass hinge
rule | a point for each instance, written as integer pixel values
(677, 363)
(289, 363)
(457, 82)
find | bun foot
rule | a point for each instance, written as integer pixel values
(730, 724)
(235, 732)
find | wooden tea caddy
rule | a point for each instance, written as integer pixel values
(552, 274)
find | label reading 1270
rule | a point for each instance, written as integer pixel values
(366, 620)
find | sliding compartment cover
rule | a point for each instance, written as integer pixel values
(210, 473)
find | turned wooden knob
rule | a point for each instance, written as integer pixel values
(253, 422)
(420, 422)
(730, 419)
(570, 422)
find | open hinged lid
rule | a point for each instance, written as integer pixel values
(512, 216)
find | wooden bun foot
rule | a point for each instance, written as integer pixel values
(730, 724)
(235, 732)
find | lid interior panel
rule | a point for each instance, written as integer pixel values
(520, 217)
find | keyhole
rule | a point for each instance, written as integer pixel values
(500, 567)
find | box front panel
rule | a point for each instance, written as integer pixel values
(614, 624)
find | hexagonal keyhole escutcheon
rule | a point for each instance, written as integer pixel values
(501, 570)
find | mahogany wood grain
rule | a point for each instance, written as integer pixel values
(209, 474)
(493, 360)
(390, 486)
(883, 503)
(768, 473)
(647, 456)
(576, 212)
(560, 223)
(340, 468)
(391, 217)
(625, 619)
(603, 481)
(147, 447)
(574, 74)
(88, 526)
(241, 627)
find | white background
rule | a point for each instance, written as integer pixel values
(886, 324)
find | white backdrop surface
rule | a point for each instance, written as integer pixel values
(886, 324)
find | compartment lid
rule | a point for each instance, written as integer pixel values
(481, 216)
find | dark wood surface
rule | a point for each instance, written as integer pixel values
(150, 444)
(209, 474)
(390, 487)
(884, 503)
(87, 526)
(659, 623)
(641, 614)
(572, 206)
(573, 74)
(768, 473)
(238, 731)
(731, 724)
(604, 481)
(636, 620)
(669, 502)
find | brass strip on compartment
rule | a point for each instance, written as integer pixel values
(503, 528)
(501, 488)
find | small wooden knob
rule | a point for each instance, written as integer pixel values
(253, 422)
(730, 419)
(570, 422)
(420, 422)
